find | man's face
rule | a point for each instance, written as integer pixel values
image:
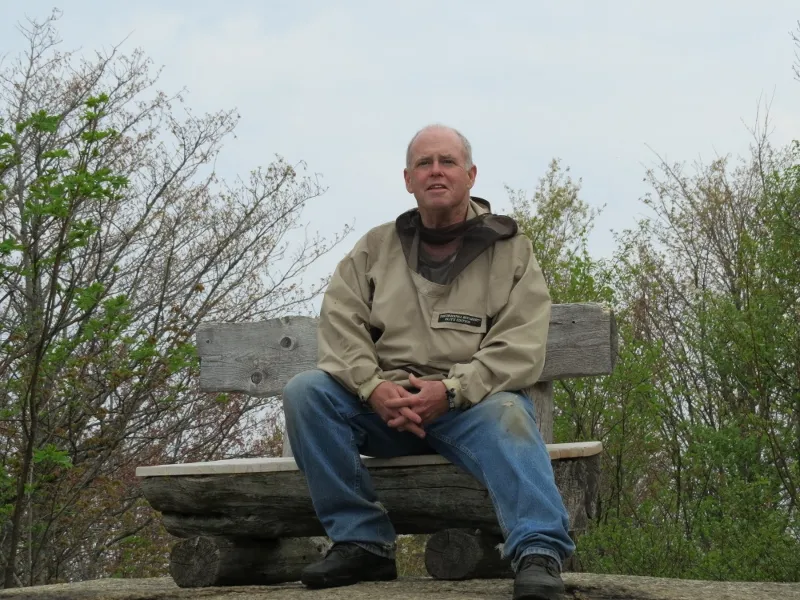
(438, 176)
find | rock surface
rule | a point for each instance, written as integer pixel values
(580, 586)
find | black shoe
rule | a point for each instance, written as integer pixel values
(538, 578)
(346, 564)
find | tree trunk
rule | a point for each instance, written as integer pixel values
(205, 562)
(463, 554)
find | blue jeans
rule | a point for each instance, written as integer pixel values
(496, 441)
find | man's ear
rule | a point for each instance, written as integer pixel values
(407, 177)
(472, 172)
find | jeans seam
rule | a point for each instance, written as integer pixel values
(357, 413)
(357, 459)
(356, 464)
(466, 451)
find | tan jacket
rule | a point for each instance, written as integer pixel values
(483, 333)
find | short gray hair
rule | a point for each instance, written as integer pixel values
(464, 142)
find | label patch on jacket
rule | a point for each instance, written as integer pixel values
(460, 319)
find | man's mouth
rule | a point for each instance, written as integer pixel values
(437, 186)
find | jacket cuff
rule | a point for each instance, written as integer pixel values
(453, 386)
(365, 389)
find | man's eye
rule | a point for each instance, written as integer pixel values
(448, 161)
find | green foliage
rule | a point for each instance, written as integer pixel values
(86, 298)
(70, 186)
(115, 243)
(41, 122)
(699, 421)
(558, 223)
(9, 245)
(52, 455)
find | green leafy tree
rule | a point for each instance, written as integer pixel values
(618, 409)
(699, 419)
(116, 240)
(712, 281)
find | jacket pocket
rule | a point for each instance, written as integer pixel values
(456, 335)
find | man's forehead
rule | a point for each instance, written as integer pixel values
(442, 143)
(441, 153)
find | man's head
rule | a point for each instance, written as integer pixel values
(440, 173)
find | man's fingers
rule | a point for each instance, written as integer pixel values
(397, 422)
(406, 420)
(411, 415)
(405, 415)
(418, 382)
(415, 429)
(403, 392)
(401, 402)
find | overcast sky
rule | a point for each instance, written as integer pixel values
(343, 86)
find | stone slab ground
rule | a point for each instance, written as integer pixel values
(580, 586)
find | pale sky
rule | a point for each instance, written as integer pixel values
(344, 85)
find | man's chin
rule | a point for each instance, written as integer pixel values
(439, 202)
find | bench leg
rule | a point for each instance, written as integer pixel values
(466, 554)
(207, 561)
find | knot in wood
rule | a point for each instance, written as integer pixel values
(256, 377)
(286, 342)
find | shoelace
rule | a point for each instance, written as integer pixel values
(548, 563)
(342, 548)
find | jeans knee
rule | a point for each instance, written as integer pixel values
(302, 392)
(512, 415)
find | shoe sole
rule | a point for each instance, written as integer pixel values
(328, 581)
(537, 592)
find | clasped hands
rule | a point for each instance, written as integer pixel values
(404, 411)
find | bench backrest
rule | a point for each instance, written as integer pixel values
(258, 359)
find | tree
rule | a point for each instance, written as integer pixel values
(699, 421)
(117, 238)
(618, 409)
(713, 281)
(558, 221)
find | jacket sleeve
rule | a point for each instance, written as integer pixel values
(512, 354)
(345, 349)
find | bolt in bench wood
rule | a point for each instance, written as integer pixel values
(251, 521)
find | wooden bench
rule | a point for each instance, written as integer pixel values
(251, 521)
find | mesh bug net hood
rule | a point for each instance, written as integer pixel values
(478, 232)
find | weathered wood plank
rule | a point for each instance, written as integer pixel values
(269, 465)
(419, 499)
(204, 561)
(542, 395)
(258, 359)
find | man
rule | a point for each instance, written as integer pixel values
(431, 330)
